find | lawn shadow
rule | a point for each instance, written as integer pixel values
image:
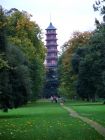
(34, 115)
(12, 116)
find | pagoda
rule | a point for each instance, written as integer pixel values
(51, 45)
(51, 82)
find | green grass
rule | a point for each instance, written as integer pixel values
(43, 121)
(94, 111)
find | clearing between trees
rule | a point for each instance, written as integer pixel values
(46, 121)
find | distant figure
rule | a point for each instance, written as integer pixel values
(55, 99)
(51, 98)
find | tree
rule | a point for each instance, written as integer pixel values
(26, 35)
(21, 59)
(91, 69)
(37, 71)
(92, 66)
(19, 76)
(4, 77)
(68, 76)
(14, 75)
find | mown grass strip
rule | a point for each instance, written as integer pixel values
(94, 111)
(99, 128)
(44, 121)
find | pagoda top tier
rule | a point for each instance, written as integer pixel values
(51, 27)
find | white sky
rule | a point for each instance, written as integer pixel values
(66, 15)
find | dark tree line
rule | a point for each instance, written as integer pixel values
(83, 62)
(21, 59)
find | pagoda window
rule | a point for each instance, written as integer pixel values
(50, 31)
(53, 62)
(53, 54)
(51, 41)
(49, 54)
(48, 61)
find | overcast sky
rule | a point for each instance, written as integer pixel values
(66, 15)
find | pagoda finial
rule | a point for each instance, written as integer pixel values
(50, 18)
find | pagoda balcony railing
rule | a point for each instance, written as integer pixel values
(51, 65)
(53, 38)
(52, 57)
(52, 50)
(51, 33)
(52, 43)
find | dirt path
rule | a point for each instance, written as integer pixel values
(99, 128)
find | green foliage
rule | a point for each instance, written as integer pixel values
(15, 81)
(2, 30)
(19, 75)
(69, 60)
(26, 34)
(25, 45)
(82, 65)
(4, 75)
(91, 81)
(37, 71)
(3, 63)
(21, 59)
(91, 76)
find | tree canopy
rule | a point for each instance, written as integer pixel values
(22, 56)
(67, 75)
(82, 64)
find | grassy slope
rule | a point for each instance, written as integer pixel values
(94, 111)
(43, 121)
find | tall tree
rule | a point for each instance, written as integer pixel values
(67, 75)
(4, 75)
(92, 67)
(21, 59)
(26, 34)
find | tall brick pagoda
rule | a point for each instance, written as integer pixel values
(51, 83)
(51, 45)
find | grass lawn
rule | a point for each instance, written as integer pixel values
(44, 121)
(94, 111)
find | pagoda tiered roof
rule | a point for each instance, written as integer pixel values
(51, 27)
